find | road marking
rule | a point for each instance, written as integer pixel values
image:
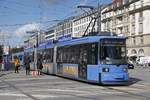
(13, 94)
(134, 94)
(35, 95)
(42, 83)
(131, 89)
(21, 91)
(45, 96)
(27, 78)
(141, 86)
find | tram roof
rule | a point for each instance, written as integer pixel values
(18, 53)
(47, 44)
(88, 39)
(29, 49)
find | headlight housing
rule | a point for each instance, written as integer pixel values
(105, 69)
(125, 69)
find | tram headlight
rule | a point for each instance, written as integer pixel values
(105, 69)
(125, 70)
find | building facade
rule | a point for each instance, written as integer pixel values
(132, 19)
(64, 28)
(81, 22)
(50, 34)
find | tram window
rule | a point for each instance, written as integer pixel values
(89, 53)
(92, 53)
(20, 57)
(47, 55)
(60, 55)
(74, 54)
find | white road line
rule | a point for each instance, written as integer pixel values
(130, 89)
(21, 79)
(13, 94)
(42, 83)
(46, 96)
(71, 91)
(35, 95)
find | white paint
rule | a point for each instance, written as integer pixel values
(13, 94)
(42, 83)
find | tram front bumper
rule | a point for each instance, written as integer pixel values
(114, 78)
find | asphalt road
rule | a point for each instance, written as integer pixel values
(45, 87)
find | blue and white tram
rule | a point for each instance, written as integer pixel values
(98, 59)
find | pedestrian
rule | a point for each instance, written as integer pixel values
(39, 66)
(17, 65)
(27, 65)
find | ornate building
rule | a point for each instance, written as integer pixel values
(131, 18)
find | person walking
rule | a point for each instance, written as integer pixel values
(17, 65)
(39, 66)
(27, 65)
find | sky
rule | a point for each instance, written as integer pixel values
(19, 16)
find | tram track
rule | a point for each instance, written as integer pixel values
(18, 89)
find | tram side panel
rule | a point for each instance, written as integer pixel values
(46, 55)
(74, 61)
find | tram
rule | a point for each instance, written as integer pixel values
(96, 59)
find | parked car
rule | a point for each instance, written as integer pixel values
(143, 61)
(130, 65)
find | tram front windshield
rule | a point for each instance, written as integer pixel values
(113, 52)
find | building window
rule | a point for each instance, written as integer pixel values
(133, 18)
(140, 16)
(134, 41)
(126, 29)
(141, 40)
(141, 52)
(133, 29)
(134, 52)
(134, 6)
(140, 28)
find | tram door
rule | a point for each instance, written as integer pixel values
(83, 64)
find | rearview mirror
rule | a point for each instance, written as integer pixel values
(130, 66)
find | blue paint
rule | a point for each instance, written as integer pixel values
(116, 73)
(28, 49)
(93, 73)
(114, 76)
(42, 45)
(89, 39)
(50, 44)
